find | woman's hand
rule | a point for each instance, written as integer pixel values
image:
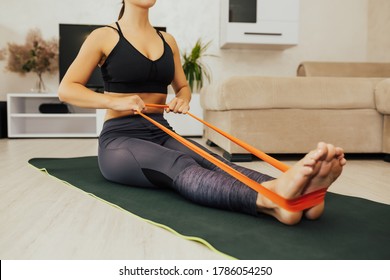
(128, 103)
(178, 105)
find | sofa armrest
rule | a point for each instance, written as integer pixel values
(382, 96)
(256, 92)
(212, 97)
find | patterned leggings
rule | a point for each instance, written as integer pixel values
(134, 152)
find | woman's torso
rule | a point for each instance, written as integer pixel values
(136, 65)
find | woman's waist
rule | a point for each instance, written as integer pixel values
(136, 119)
(112, 114)
(147, 98)
(134, 125)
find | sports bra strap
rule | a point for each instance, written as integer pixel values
(160, 34)
(121, 34)
(119, 29)
(112, 28)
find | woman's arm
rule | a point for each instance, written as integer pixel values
(72, 89)
(180, 104)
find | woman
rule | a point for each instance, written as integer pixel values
(137, 64)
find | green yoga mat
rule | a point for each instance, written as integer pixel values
(351, 228)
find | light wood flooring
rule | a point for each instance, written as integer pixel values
(41, 218)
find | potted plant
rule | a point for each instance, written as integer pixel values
(195, 70)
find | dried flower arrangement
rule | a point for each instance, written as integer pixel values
(3, 54)
(36, 55)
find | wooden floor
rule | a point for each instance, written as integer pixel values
(41, 218)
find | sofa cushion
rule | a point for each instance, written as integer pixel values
(297, 130)
(256, 92)
(343, 69)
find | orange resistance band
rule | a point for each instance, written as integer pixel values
(294, 205)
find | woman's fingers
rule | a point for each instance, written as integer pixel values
(178, 105)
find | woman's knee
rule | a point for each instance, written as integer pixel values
(141, 162)
(120, 166)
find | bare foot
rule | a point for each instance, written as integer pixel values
(329, 171)
(317, 170)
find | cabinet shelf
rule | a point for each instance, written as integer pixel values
(22, 115)
(53, 135)
(26, 121)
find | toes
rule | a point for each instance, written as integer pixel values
(340, 156)
(339, 152)
(331, 152)
(307, 170)
(321, 151)
(309, 159)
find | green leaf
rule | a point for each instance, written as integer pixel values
(195, 71)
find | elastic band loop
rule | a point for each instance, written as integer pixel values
(297, 204)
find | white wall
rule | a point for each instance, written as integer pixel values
(378, 30)
(329, 30)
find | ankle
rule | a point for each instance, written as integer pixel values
(266, 206)
(262, 202)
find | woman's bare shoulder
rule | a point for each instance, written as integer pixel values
(170, 40)
(104, 32)
(167, 36)
(100, 41)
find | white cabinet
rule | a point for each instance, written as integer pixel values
(259, 23)
(26, 121)
(184, 124)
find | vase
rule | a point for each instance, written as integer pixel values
(39, 85)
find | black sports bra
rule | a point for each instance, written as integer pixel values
(126, 70)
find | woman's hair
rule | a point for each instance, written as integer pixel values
(122, 10)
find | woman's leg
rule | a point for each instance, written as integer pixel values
(215, 189)
(142, 163)
(252, 174)
(317, 170)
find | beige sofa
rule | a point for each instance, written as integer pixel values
(289, 115)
